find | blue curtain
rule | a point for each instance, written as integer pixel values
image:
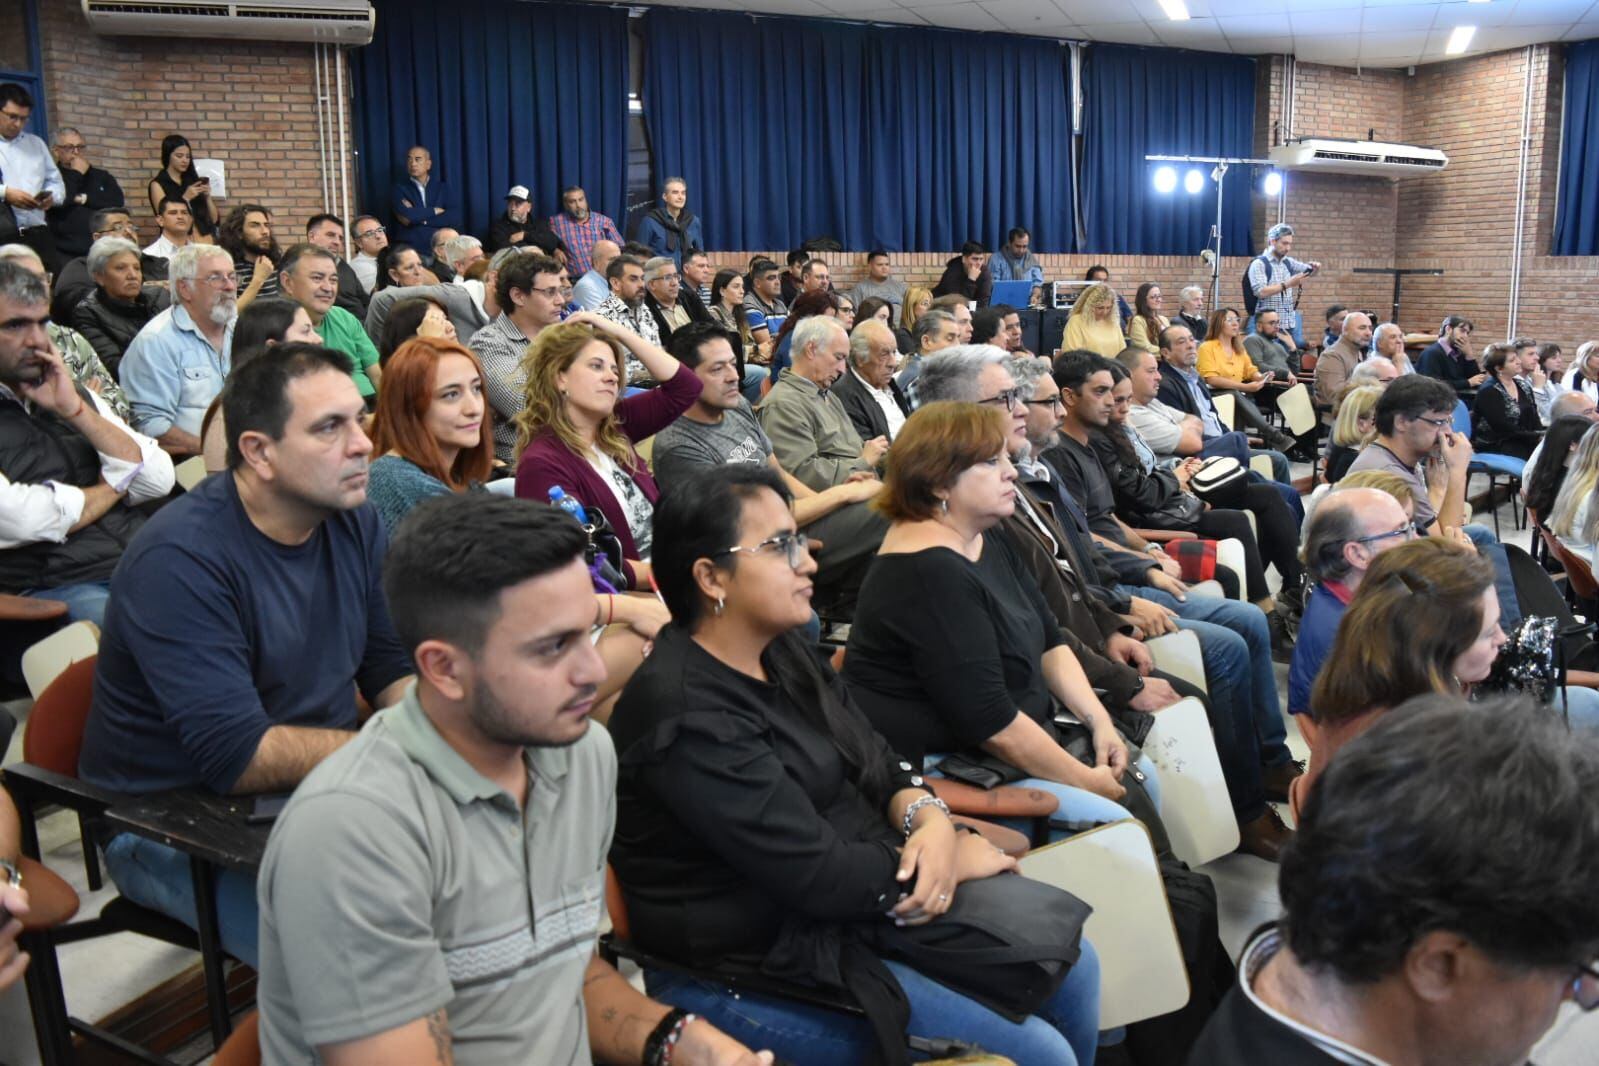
(502, 93)
(787, 129)
(1577, 218)
(1140, 101)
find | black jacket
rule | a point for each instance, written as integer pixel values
(1504, 426)
(536, 233)
(109, 324)
(863, 410)
(74, 284)
(352, 294)
(688, 300)
(956, 281)
(1174, 392)
(37, 447)
(70, 223)
(1436, 362)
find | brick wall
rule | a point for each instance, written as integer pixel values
(252, 105)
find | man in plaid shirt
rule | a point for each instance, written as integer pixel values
(579, 228)
(1276, 276)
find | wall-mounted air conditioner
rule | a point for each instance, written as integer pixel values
(1374, 159)
(339, 22)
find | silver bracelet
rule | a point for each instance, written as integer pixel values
(917, 804)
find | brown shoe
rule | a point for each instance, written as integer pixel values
(1265, 836)
(1276, 779)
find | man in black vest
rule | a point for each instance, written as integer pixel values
(70, 469)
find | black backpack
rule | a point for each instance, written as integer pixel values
(1250, 300)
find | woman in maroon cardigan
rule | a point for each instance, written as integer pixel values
(575, 432)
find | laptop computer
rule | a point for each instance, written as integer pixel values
(1014, 293)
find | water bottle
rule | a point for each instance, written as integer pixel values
(569, 504)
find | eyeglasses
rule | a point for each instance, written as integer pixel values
(554, 292)
(72, 147)
(1439, 423)
(1406, 531)
(375, 231)
(673, 278)
(1010, 399)
(1585, 987)
(1053, 401)
(221, 280)
(793, 545)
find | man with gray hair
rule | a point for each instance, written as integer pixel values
(671, 229)
(1378, 370)
(460, 252)
(88, 189)
(1275, 277)
(1388, 341)
(810, 431)
(435, 260)
(934, 332)
(73, 468)
(876, 404)
(176, 365)
(1343, 537)
(1191, 310)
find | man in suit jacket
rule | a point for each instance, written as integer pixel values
(873, 400)
(670, 303)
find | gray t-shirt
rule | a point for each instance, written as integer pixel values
(1268, 354)
(1375, 457)
(686, 445)
(399, 881)
(893, 290)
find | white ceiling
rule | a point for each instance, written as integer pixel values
(1371, 33)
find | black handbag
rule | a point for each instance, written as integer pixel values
(1220, 482)
(1178, 510)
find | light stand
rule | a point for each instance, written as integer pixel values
(1218, 174)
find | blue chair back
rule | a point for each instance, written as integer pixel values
(1462, 418)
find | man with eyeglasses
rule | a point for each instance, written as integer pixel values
(531, 294)
(810, 431)
(625, 307)
(88, 189)
(1437, 907)
(176, 365)
(1348, 530)
(371, 237)
(74, 283)
(29, 180)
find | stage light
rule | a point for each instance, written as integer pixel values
(1273, 185)
(1193, 182)
(1165, 180)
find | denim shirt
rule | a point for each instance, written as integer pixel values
(171, 373)
(1207, 408)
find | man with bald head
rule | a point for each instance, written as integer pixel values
(875, 403)
(592, 289)
(1339, 361)
(1378, 370)
(1348, 530)
(422, 203)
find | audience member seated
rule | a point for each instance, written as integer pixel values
(823, 302)
(875, 403)
(1154, 497)
(875, 307)
(327, 233)
(960, 308)
(999, 325)
(810, 429)
(880, 283)
(764, 306)
(415, 317)
(87, 190)
(518, 227)
(174, 368)
(579, 228)
(698, 271)
(577, 431)
(669, 304)
(1546, 372)
(721, 429)
(246, 235)
(1573, 517)
(422, 203)
(531, 298)
(1406, 937)
(402, 277)
(178, 180)
(954, 650)
(1269, 348)
(470, 580)
(934, 332)
(1094, 325)
(1225, 366)
(13, 896)
(1191, 312)
(592, 289)
(248, 614)
(819, 829)
(437, 259)
(1504, 417)
(1354, 427)
(1015, 260)
(918, 301)
(74, 471)
(1583, 376)
(177, 229)
(260, 326)
(119, 306)
(1546, 472)
(1388, 341)
(1350, 527)
(625, 307)
(967, 276)
(1143, 331)
(74, 283)
(846, 311)
(81, 360)
(371, 237)
(1449, 358)
(1333, 324)
(1336, 363)
(309, 276)
(1099, 273)
(814, 277)
(789, 286)
(670, 228)
(1375, 370)
(726, 308)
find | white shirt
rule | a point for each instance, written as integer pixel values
(161, 247)
(366, 268)
(48, 511)
(885, 400)
(1255, 956)
(26, 164)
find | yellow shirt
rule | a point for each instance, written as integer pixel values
(1138, 335)
(1082, 331)
(1214, 360)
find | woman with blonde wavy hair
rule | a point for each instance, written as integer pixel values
(1575, 519)
(578, 432)
(1095, 325)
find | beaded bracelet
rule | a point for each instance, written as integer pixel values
(664, 1037)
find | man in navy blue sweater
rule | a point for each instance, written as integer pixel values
(423, 203)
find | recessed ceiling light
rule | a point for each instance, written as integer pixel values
(1175, 10)
(1459, 40)
(1476, 1)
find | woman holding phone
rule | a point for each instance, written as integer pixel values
(178, 179)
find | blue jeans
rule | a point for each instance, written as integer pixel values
(754, 378)
(1063, 1033)
(1235, 641)
(85, 602)
(1583, 710)
(156, 876)
(1489, 548)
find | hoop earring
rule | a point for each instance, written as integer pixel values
(944, 505)
(720, 605)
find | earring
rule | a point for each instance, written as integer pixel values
(944, 505)
(720, 604)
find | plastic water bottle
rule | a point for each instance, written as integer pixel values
(569, 504)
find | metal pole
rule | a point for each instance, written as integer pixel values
(343, 156)
(1215, 275)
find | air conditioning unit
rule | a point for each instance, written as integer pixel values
(1373, 159)
(339, 22)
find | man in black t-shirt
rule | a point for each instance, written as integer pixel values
(1437, 908)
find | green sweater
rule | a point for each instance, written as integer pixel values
(343, 332)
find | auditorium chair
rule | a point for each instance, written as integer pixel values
(1495, 466)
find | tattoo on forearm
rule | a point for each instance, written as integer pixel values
(439, 1030)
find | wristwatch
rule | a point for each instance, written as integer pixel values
(1138, 686)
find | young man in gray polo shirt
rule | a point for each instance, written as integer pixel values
(433, 892)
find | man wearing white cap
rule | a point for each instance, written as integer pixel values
(520, 228)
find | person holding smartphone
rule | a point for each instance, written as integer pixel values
(177, 179)
(30, 182)
(1276, 278)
